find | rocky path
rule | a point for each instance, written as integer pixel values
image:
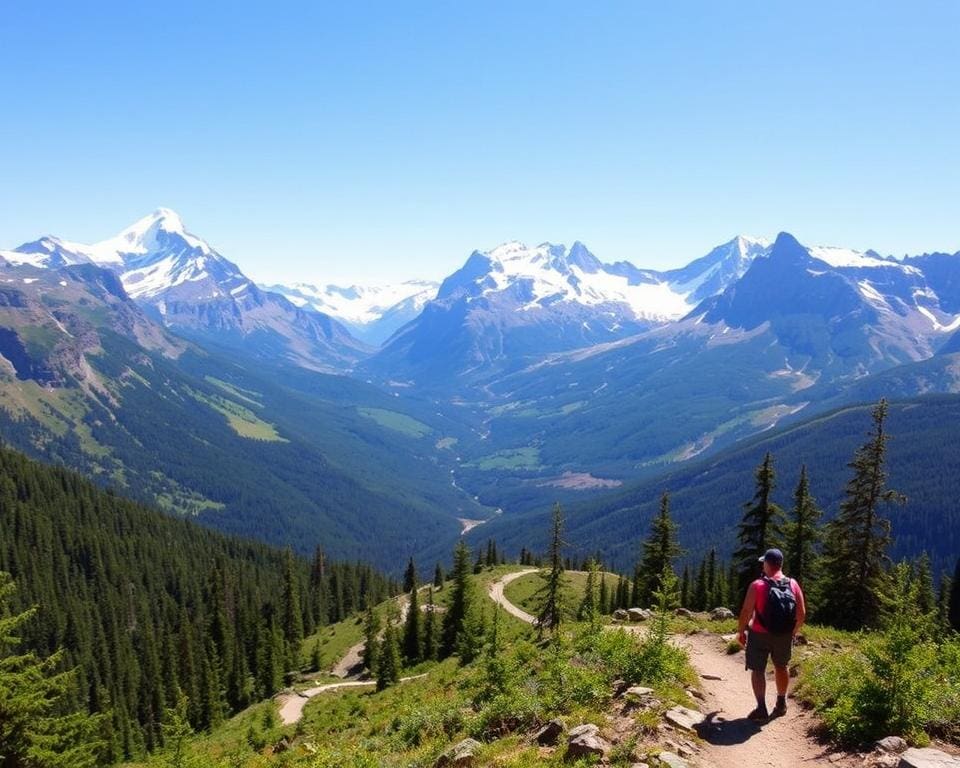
(732, 741)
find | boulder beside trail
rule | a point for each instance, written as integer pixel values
(928, 758)
(585, 741)
(621, 615)
(684, 717)
(460, 755)
(672, 760)
(891, 744)
(684, 612)
(638, 614)
(719, 614)
(550, 733)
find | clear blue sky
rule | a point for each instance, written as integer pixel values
(367, 141)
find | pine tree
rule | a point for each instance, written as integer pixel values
(701, 594)
(855, 559)
(802, 535)
(292, 613)
(410, 576)
(685, 587)
(438, 577)
(604, 597)
(32, 691)
(460, 602)
(953, 612)
(551, 593)
(388, 662)
(712, 580)
(431, 630)
(926, 595)
(759, 530)
(659, 551)
(371, 644)
(412, 636)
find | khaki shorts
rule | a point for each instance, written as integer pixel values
(761, 645)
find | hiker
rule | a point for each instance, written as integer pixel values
(773, 610)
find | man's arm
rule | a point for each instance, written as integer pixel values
(746, 612)
(801, 608)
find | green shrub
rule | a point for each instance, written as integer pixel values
(899, 681)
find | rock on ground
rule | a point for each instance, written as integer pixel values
(550, 733)
(684, 717)
(719, 614)
(928, 758)
(459, 755)
(584, 741)
(638, 614)
(672, 760)
(891, 744)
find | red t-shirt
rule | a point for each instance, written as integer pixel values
(761, 588)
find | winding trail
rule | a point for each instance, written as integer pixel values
(730, 740)
(291, 704)
(496, 594)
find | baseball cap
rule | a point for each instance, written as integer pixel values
(773, 556)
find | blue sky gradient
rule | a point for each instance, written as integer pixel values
(378, 141)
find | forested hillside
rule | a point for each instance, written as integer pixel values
(148, 607)
(708, 495)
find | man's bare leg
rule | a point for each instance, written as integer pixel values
(759, 681)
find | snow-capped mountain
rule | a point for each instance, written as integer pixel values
(372, 313)
(180, 279)
(513, 302)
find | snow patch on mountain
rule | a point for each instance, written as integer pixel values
(358, 304)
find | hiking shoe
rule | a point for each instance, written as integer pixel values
(780, 710)
(759, 714)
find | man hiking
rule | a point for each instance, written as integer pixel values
(773, 611)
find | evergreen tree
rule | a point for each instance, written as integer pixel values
(438, 577)
(431, 630)
(659, 551)
(388, 662)
(701, 594)
(926, 595)
(460, 602)
(759, 530)
(371, 644)
(412, 636)
(712, 581)
(292, 613)
(551, 593)
(855, 553)
(943, 603)
(953, 612)
(802, 535)
(410, 576)
(33, 732)
(604, 596)
(470, 638)
(685, 587)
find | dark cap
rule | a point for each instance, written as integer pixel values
(772, 556)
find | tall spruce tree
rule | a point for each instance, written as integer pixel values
(371, 642)
(659, 551)
(438, 577)
(953, 612)
(802, 535)
(431, 630)
(410, 576)
(292, 612)
(855, 562)
(551, 593)
(412, 635)
(759, 530)
(389, 663)
(461, 601)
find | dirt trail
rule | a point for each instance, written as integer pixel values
(291, 704)
(732, 741)
(496, 594)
